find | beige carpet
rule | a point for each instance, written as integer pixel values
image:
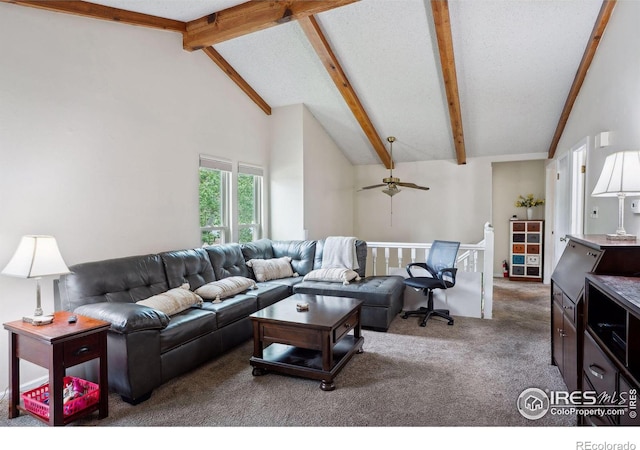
(469, 374)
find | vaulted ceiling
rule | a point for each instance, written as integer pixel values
(449, 79)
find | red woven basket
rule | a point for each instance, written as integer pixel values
(36, 399)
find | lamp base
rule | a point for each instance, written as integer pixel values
(621, 237)
(38, 320)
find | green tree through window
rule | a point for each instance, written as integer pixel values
(215, 201)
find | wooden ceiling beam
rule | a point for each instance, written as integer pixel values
(325, 53)
(250, 17)
(587, 57)
(442, 22)
(86, 9)
(237, 79)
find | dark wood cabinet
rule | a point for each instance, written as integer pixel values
(611, 364)
(583, 254)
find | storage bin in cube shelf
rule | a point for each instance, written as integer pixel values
(37, 400)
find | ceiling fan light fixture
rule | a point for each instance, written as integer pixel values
(392, 182)
(391, 191)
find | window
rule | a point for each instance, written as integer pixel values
(230, 207)
(215, 178)
(249, 203)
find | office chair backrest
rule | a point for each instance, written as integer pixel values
(442, 255)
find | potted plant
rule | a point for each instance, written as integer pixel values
(528, 202)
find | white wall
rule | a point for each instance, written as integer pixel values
(101, 125)
(609, 101)
(311, 179)
(286, 176)
(511, 179)
(328, 184)
(456, 207)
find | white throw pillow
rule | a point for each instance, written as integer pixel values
(272, 269)
(335, 274)
(216, 291)
(173, 301)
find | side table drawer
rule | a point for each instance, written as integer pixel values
(598, 369)
(81, 349)
(346, 326)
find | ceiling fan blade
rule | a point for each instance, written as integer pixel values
(372, 187)
(413, 185)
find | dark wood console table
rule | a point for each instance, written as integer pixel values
(583, 254)
(55, 347)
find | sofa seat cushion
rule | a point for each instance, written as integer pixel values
(233, 308)
(289, 282)
(374, 291)
(269, 292)
(187, 326)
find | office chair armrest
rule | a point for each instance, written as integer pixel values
(421, 265)
(452, 271)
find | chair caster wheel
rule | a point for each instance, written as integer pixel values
(450, 322)
(423, 324)
(404, 316)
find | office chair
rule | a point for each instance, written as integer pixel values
(440, 264)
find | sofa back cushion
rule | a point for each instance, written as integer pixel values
(260, 249)
(361, 254)
(188, 266)
(300, 252)
(227, 261)
(117, 280)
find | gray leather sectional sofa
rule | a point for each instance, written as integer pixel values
(147, 348)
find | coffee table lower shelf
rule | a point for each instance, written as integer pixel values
(305, 363)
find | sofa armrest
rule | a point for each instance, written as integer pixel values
(125, 317)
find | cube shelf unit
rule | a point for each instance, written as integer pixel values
(526, 247)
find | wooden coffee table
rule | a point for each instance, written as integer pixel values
(313, 344)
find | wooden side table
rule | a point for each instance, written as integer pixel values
(55, 347)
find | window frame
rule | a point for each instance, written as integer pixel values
(226, 172)
(258, 189)
(231, 227)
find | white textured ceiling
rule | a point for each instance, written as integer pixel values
(515, 61)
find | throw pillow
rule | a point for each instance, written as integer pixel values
(173, 301)
(272, 269)
(333, 275)
(216, 291)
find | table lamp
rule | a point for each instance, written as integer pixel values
(36, 257)
(620, 178)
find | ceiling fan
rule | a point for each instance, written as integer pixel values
(391, 183)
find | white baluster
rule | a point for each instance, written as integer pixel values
(374, 254)
(386, 260)
(399, 258)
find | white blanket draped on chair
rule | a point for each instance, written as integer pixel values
(340, 252)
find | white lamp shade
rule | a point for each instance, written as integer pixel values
(36, 256)
(620, 175)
